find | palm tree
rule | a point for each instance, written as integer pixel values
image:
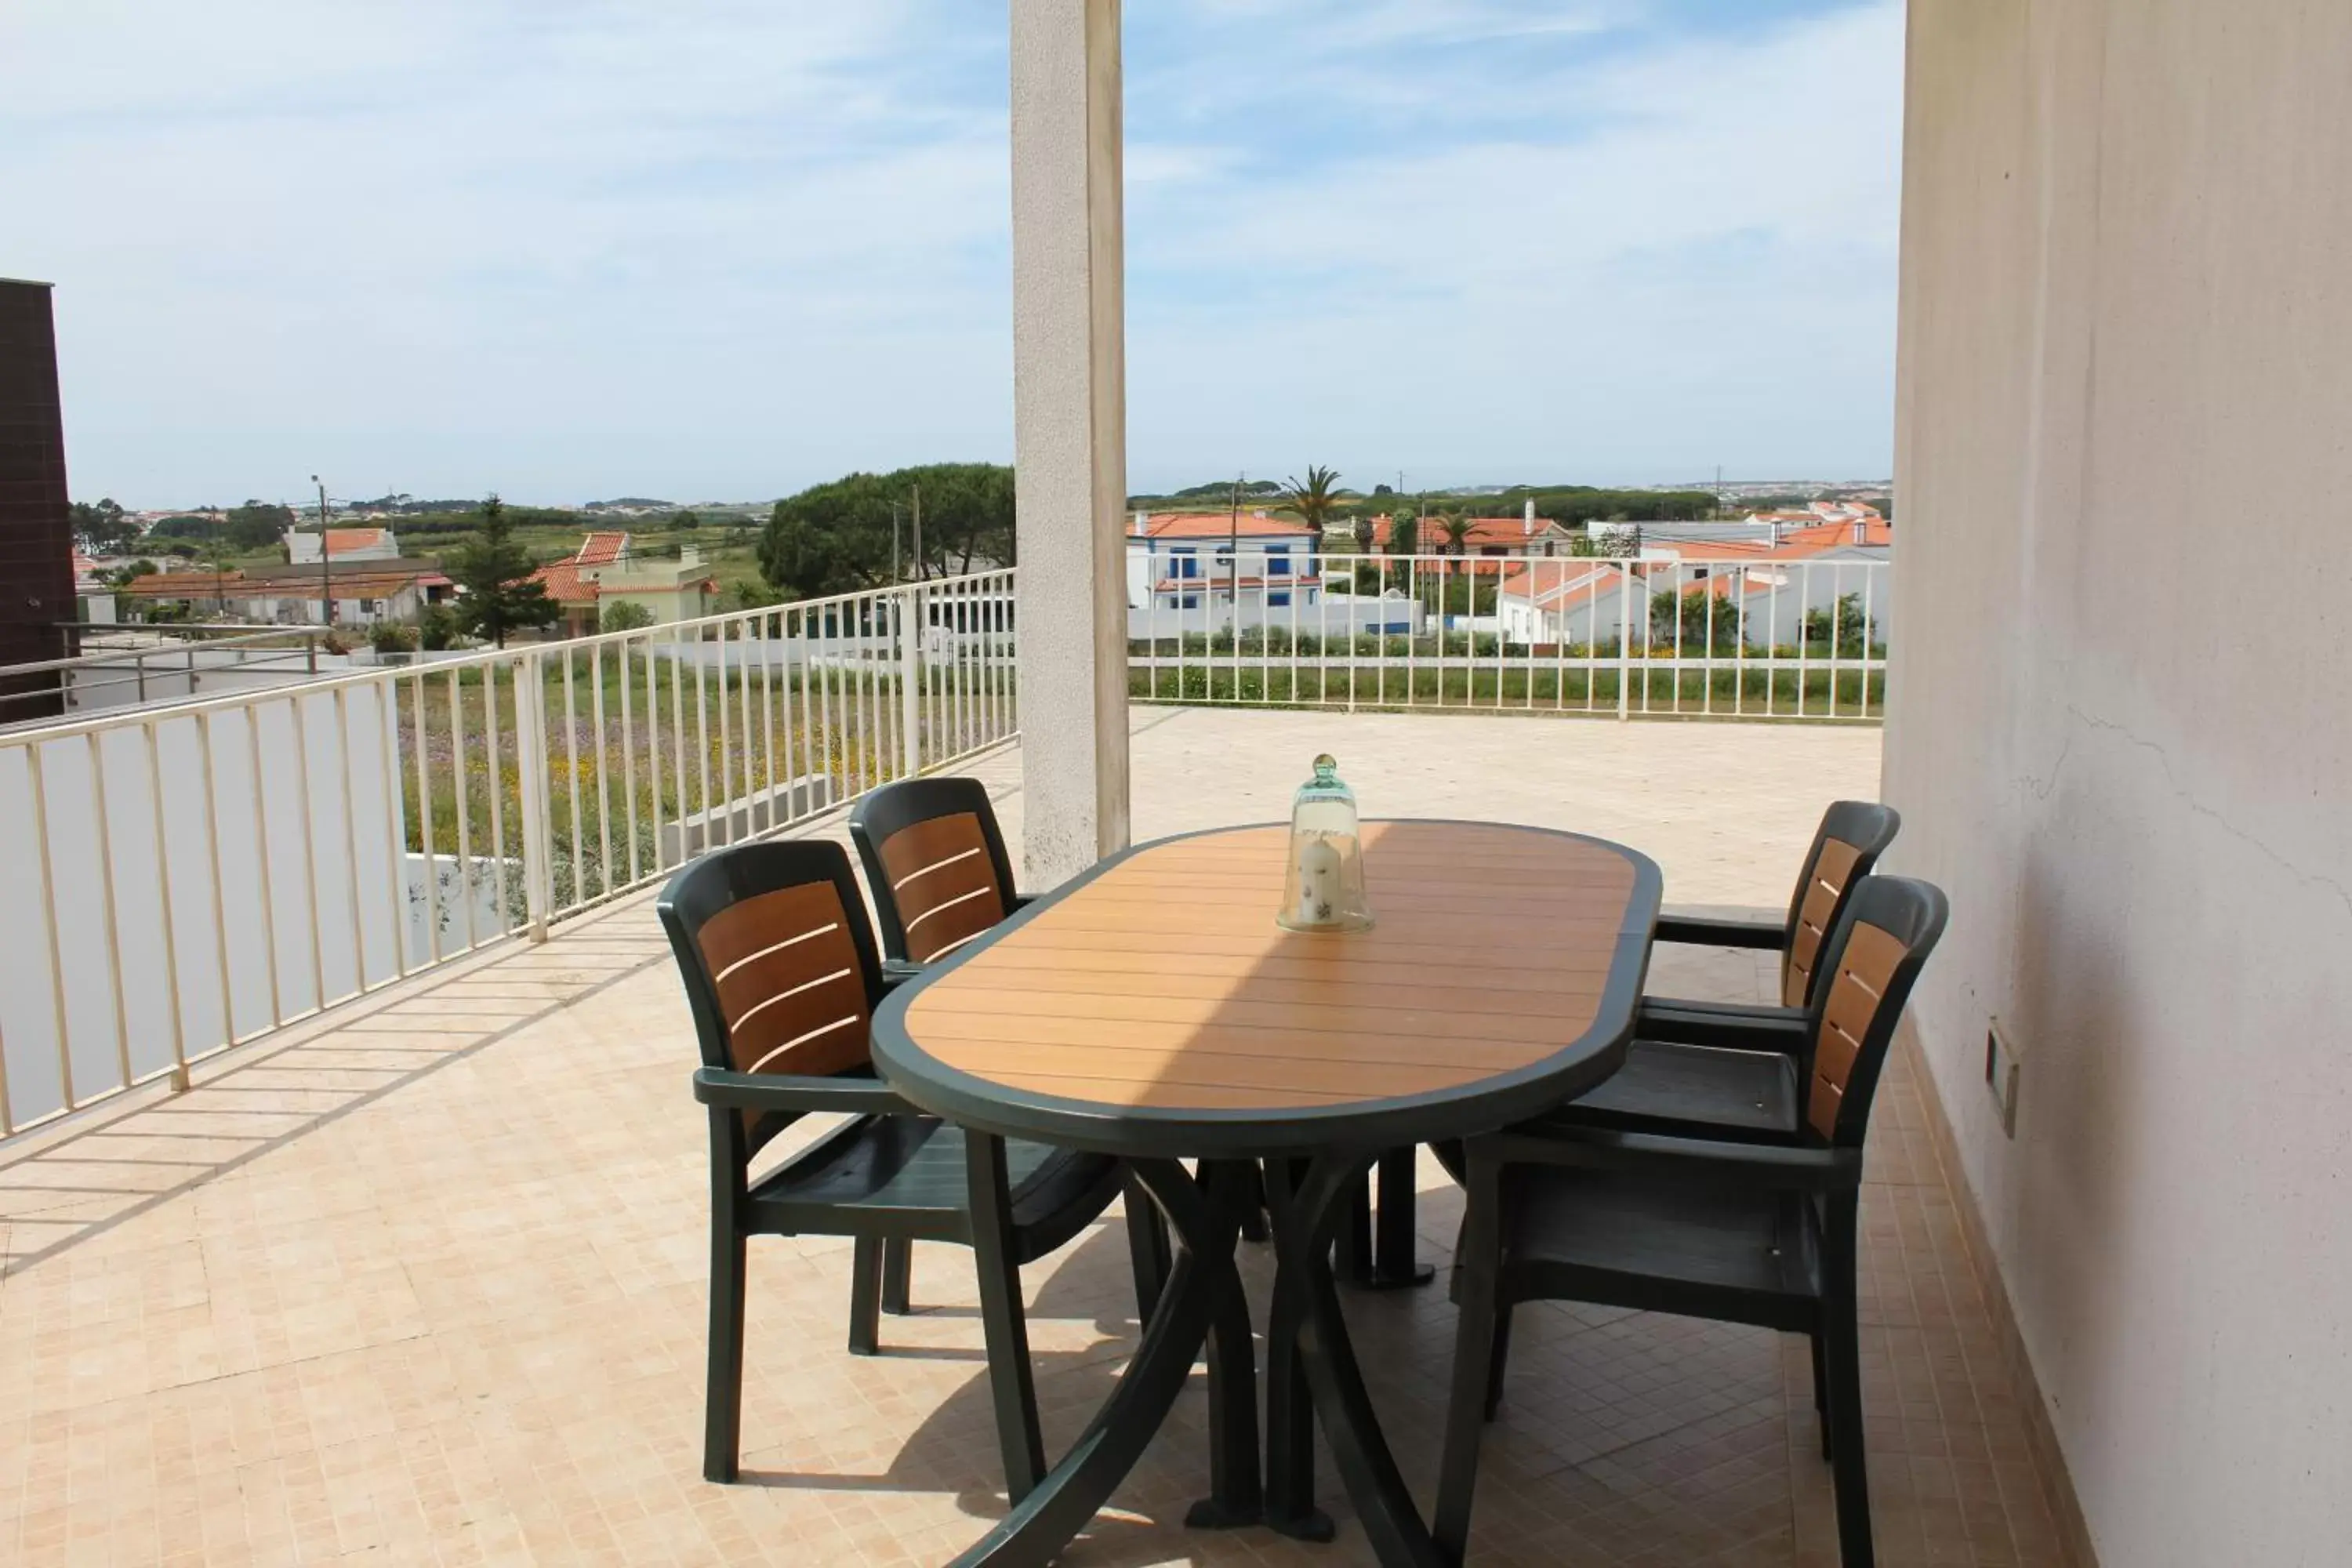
(1314, 501)
(1456, 531)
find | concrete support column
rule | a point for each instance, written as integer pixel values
(1069, 389)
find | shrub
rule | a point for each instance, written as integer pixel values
(437, 628)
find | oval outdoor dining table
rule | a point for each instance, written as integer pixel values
(1152, 1008)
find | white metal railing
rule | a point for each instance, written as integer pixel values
(119, 677)
(1730, 637)
(186, 878)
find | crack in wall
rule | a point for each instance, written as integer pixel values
(2041, 787)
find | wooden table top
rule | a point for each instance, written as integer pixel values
(1158, 986)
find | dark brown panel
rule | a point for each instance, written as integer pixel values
(785, 968)
(36, 587)
(944, 883)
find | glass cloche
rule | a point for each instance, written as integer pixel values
(1323, 889)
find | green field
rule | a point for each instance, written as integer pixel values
(653, 741)
(1517, 688)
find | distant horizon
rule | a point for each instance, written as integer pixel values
(738, 250)
(303, 506)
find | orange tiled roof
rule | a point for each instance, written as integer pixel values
(341, 540)
(365, 585)
(601, 549)
(1876, 531)
(1794, 544)
(1216, 525)
(1433, 539)
(561, 582)
(181, 585)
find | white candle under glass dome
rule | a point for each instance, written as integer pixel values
(1323, 889)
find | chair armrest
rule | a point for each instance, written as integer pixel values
(1690, 1159)
(787, 1091)
(897, 972)
(1699, 931)
(1787, 1030)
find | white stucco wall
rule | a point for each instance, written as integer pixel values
(2127, 311)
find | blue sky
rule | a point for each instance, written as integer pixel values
(724, 249)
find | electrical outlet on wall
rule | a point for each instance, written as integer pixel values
(2001, 1075)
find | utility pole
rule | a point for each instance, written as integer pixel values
(919, 533)
(325, 575)
(895, 575)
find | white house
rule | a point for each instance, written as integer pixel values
(1186, 560)
(1583, 603)
(606, 569)
(1568, 600)
(342, 545)
(364, 592)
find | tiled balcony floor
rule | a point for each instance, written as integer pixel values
(427, 1284)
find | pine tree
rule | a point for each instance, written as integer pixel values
(494, 571)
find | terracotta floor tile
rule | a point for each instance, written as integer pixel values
(423, 1283)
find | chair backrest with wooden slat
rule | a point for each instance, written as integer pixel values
(777, 958)
(936, 863)
(1853, 834)
(1890, 926)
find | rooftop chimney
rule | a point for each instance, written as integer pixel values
(1529, 526)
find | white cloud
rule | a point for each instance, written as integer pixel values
(1331, 24)
(282, 230)
(565, 248)
(1701, 271)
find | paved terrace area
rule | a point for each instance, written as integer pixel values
(425, 1281)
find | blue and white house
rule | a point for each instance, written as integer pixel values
(1198, 561)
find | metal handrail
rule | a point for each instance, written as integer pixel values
(88, 674)
(309, 635)
(1740, 637)
(341, 832)
(207, 871)
(666, 632)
